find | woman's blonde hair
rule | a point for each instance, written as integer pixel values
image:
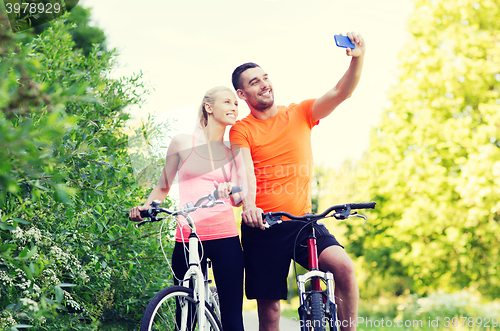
(210, 99)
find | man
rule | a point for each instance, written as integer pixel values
(276, 148)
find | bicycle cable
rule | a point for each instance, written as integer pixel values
(163, 250)
(186, 247)
(297, 237)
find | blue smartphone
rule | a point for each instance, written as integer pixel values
(343, 41)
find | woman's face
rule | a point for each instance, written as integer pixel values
(225, 107)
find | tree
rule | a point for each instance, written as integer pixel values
(68, 253)
(84, 35)
(437, 154)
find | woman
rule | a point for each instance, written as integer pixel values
(203, 162)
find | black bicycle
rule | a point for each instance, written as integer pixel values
(317, 310)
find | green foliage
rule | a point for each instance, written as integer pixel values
(440, 305)
(319, 179)
(437, 157)
(85, 36)
(70, 258)
(456, 308)
(147, 150)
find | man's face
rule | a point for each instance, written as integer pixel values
(256, 89)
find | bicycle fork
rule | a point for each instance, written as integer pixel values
(314, 276)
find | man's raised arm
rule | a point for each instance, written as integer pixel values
(345, 87)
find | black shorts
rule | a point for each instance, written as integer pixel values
(268, 254)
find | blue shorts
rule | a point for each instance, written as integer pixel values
(268, 254)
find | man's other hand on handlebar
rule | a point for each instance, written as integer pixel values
(252, 216)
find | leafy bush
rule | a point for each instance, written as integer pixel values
(435, 307)
(70, 258)
(440, 305)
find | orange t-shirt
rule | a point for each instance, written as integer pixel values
(282, 156)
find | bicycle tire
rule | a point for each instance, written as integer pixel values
(317, 312)
(162, 311)
(312, 313)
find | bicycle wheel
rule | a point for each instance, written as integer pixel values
(215, 296)
(312, 313)
(170, 306)
(317, 312)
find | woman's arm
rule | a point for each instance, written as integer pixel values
(164, 184)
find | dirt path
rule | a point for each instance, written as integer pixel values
(251, 322)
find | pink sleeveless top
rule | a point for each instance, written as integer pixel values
(196, 179)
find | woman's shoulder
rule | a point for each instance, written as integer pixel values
(181, 142)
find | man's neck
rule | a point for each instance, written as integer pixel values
(266, 113)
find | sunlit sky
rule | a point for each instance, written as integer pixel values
(186, 47)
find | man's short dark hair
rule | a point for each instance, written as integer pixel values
(239, 70)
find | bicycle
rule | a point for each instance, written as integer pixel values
(317, 307)
(194, 303)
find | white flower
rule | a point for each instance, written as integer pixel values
(32, 305)
(24, 285)
(50, 277)
(7, 320)
(74, 304)
(18, 233)
(33, 235)
(5, 279)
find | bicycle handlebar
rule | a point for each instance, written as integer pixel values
(235, 189)
(155, 208)
(341, 212)
(363, 205)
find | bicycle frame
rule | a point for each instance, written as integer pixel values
(195, 274)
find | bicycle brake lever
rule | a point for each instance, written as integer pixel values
(151, 220)
(141, 223)
(360, 216)
(214, 203)
(267, 225)
(357, 215)
(270, 221)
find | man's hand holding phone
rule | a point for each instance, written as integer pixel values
(353, 43)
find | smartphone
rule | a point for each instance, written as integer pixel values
(343, 41)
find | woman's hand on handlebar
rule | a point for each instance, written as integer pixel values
(135, 213)
(224, 189)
